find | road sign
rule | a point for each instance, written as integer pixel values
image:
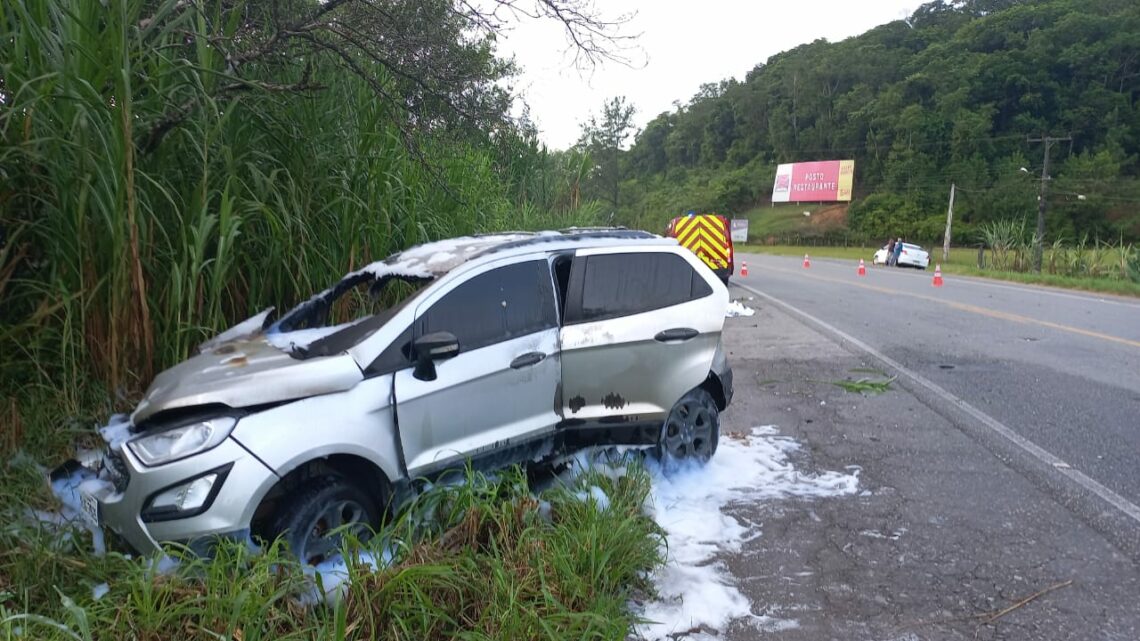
(739, 230)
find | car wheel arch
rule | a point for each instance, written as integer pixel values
(360, 470)
(715, 388)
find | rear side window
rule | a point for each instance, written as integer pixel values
(614, 285)
(498, 305)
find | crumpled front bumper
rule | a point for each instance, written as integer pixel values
(131, 485)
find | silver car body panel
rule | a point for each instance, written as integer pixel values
(244, 373)
(612, 368)
(478, 402)
(245, 330)
(357, 422)
(230, 511)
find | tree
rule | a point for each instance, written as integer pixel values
(431, 62)
(604, 138)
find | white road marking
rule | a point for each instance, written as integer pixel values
(1119, 502)
(1025, 288)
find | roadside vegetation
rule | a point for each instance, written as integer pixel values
(949, 95)
(1109, 269)
(170, 168)
(482, 559)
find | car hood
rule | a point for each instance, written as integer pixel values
(245, 372)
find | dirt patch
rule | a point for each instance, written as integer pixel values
(829, 218)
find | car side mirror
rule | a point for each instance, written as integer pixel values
(430, 348)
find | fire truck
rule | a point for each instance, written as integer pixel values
(708, 236)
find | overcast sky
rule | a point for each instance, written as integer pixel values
(683, 44)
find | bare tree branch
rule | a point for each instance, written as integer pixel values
(438, 52)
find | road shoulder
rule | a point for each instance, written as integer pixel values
(943, 535)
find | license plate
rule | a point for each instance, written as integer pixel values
(90, 507)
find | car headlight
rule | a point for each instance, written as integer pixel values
(180, 442)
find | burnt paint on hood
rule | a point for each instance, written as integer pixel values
(242, 373)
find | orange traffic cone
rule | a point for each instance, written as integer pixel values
(938, 275)
(744, 268)
(862, 268)
(807, 261)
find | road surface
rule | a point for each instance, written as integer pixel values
(1003, 463)
(1061, 369)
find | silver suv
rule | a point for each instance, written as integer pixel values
(510, 348)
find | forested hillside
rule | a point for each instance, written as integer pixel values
(948, 96)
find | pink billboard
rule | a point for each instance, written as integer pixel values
(824, 180)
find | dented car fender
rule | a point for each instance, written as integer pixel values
(357, 422)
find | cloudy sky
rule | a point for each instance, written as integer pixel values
(683, 44)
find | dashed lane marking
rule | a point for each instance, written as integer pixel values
(1128, 508)
(966, 307)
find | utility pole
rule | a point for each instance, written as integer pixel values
(949, 219)
(1039, 239)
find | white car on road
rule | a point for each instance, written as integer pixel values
(912, 256)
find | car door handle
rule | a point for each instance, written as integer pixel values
(675, 334)
(528, 359)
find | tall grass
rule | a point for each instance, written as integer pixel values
(483, 559)
(1010, 249)
(116, 260)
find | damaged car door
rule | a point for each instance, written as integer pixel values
(638, 334)
(486, 368)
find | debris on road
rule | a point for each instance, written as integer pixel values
(737, 308)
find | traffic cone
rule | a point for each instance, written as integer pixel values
(744, 268)
(862, 268)
(807, 261)
(938, 275)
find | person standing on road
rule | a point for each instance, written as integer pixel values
(890, 251)
(897, 252)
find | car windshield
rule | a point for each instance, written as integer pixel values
(343, 315)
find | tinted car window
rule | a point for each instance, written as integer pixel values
(501, 304)
(395, 357)
(616, 285)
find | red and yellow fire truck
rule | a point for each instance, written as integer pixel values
(709, 237)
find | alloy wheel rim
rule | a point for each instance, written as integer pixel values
(325, 532)
(688, 431)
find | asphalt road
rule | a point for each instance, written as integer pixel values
(1061, 369)
(978, 515)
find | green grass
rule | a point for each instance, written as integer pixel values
(769, 220)
(117, 261)
(776, 221)
(865, 385)
(489, 566)
(963, 261)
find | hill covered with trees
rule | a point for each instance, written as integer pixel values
(950, 95)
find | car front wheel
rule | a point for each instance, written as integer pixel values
(314, 519)
(692, 429)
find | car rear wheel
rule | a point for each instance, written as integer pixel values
(692, 429)
(315, 519)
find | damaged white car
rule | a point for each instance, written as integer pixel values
(511, 348)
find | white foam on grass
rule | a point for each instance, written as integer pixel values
(595, 496)
(737, 308)
(100, 591)
(329, 579)
(696, 592)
